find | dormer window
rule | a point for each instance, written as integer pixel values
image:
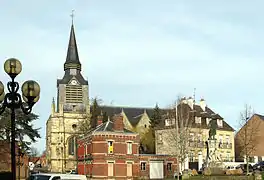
(219, 122)
(167, 122)
(208, 120)
(198, 120)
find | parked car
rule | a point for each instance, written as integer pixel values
(46, 176)
(259, 166)
(244, 167)
(73, 171)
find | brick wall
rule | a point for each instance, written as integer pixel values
(98, 157)
(164, 158)
(252, 134)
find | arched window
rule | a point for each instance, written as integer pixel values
(71, 145)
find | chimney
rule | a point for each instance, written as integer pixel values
(203, 104)
(183, 100)
(100, 119)
(190, 102)
(118, 124)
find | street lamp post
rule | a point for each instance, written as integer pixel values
(13, 100)
(20, 155)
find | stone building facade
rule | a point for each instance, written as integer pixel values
(72, 108)
(199, 117)
(112, 152)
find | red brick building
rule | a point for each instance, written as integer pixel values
(5, 160)
(111, 151)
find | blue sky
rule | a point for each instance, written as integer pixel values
(137, 53)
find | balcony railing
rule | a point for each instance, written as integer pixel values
(197, 144)
(225, 145)
(201, 144)
(227, 159)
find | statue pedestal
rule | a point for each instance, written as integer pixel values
(214, 159)
(212, 151)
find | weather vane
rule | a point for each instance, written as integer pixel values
(72, 15)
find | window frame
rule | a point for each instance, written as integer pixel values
(108, 146)
(141, 165)
(169, 164)
(129, 145)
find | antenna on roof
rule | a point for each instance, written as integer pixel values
(194, 96)
(194, 103)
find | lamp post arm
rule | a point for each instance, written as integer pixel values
(26, 107)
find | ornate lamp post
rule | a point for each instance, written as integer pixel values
(13, 100)
(20, 155)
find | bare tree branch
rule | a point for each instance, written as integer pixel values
(180, 134)
(246, 137)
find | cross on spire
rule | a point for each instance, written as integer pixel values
(72, 15)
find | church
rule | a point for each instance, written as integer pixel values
(73, 107)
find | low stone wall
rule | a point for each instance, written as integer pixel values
(224, 177)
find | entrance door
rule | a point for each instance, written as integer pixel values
(129, 169)
(110, 169)
(156, 170)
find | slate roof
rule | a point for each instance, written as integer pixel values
(72, 53)
(72, 61)
(67, 77)
(134, 115)
(108, 127)
(197, 111)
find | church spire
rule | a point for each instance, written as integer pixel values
(72, 59)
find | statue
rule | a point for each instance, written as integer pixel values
(212, 131)
(212, 160)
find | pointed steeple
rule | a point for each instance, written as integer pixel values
(72, 59)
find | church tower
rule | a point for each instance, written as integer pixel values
(72, 88)
(71, 109)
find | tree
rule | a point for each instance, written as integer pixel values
(90, 120)
(24, 128)
(85, 125)
(95, 111)
(247, 136)
(33, 152)
(105, 117)
(179, 135)
(156, 117)
(148, 140)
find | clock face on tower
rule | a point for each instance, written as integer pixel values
(74, 82)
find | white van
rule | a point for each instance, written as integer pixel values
(45, 176)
